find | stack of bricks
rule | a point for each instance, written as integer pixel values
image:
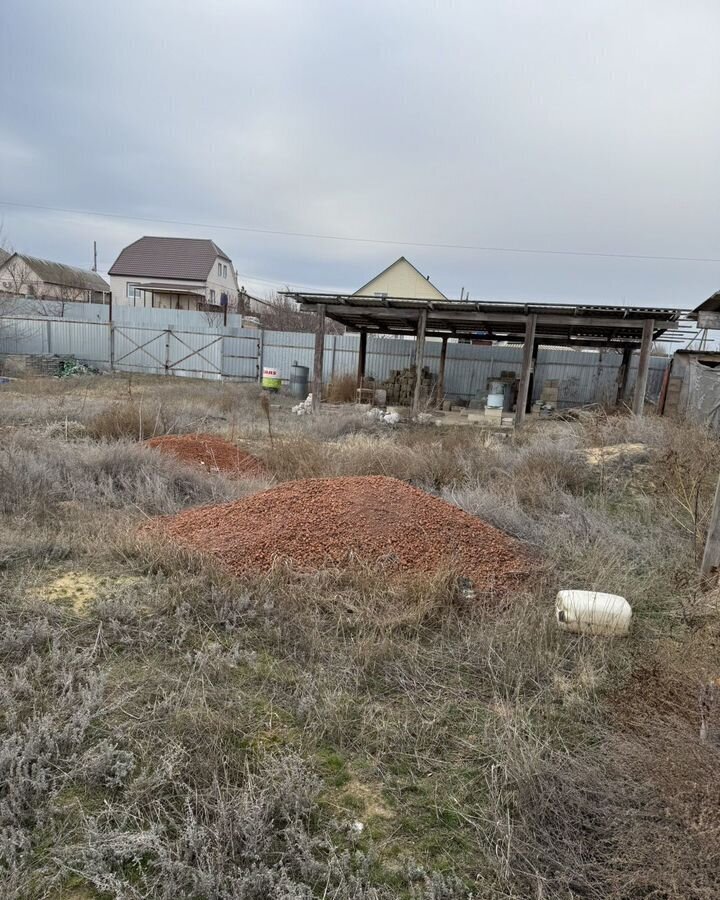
(16, 365)
(400, 387)
(550, 393)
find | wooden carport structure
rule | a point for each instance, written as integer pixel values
(612, 327)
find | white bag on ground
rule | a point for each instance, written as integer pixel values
(592, 612)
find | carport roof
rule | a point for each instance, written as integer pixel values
(561, 324)
(169, 287)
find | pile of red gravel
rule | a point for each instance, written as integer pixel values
(324, 522)
(209, 451)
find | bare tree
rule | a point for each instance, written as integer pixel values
(280, 313)
(19, 279)
(57, 296)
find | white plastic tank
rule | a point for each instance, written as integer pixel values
(496, 395)
(592, 612)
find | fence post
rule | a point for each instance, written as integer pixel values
(168, 333)
(332, 359)
(111, 326)
(261, 351)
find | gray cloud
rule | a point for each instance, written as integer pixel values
(587, 126)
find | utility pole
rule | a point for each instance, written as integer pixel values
(94, 256)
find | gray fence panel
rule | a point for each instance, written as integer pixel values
(88, 341)
(282, 348)
(241, 357)
(23, 336)
(139, 349)
(194, 353)
(468, 368)
(343, 350)
(585, 376)
(384, 355)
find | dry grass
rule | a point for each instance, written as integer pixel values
(343, 389)
(183, 733)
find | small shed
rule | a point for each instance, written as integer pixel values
(692, 389)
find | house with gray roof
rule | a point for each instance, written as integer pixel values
(174, 273)
(29, 276)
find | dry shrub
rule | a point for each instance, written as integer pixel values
(635, 816)
(41, 478)
(129, 419)
(601, 430)
(633, 812)
(429, 464)
(340, 423)
(239, 398)
(342, 389)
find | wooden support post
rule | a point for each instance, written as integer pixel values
(527, 365)
(711, 556)
(318, 358)
(622, 376)
(441, 373)
(419, 359)
(643, 367)
(362, 357)
(597, 378)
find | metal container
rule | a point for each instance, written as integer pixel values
(271, 379)
(496, 395)
(299, 381)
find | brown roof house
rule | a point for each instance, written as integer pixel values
(174, 273)
(27, 276)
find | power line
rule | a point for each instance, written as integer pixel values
(363, 240)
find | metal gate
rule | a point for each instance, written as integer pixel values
(199, 354)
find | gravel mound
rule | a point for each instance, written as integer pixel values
(209, 451)
(324, 522)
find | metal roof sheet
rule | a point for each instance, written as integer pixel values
(556, 323)
(168, 257)
(65, 276)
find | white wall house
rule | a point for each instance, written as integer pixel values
(28, 276)
(174, 273)
(401, 279)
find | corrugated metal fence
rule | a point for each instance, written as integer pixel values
(237, 353)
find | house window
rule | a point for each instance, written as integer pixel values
(212, 295)
(219, 270)
(133, 292)
(224, 271)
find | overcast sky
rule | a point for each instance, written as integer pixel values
(559, 125)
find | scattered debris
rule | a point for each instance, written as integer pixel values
(615, 453)
(71, 367)
(326, 522)
(304, 408)
(378, 415)
(209, 451)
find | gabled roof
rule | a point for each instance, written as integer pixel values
(401, 262)
(60, 274)
(168, 257)
(712, 304)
